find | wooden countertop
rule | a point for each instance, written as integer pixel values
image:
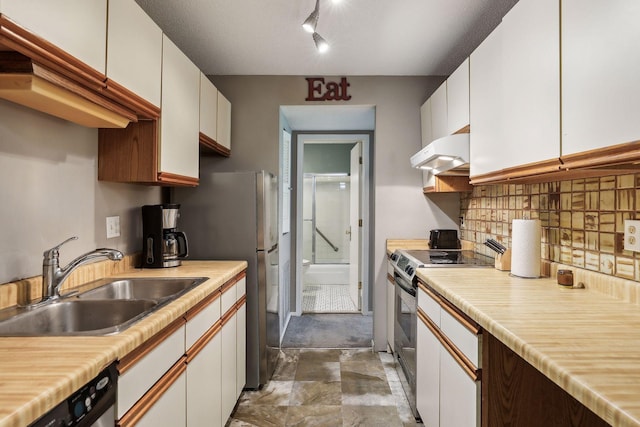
(585, 341)
(37, 373)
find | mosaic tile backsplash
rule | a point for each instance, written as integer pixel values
(582, 219)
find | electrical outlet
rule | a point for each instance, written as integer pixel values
(631, 235)
(113, 227)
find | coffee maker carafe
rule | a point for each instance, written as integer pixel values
(162, 244)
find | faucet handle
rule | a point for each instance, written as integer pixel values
(53, 252)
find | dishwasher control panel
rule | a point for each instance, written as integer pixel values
(85, 405)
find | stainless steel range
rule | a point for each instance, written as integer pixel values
(405, 263)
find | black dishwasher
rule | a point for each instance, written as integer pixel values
(91, 405)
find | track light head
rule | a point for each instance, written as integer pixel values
(311, 22)
(321, 43)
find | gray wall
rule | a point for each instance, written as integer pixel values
(401, 210)
(50, 191)
(327, 158)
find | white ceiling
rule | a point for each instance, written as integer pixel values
(367, 37)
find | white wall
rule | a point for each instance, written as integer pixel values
(50, 191)
(401, 210)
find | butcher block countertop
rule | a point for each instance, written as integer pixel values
(36, 373)
(583, 340)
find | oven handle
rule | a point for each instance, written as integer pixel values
(404, 285)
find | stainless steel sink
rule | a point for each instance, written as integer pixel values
(113, 306)
(159, 289)
(77, 317)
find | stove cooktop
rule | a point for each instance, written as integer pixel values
(449, 257)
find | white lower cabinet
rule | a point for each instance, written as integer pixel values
(192, 372)
(391, 294)
(170, 407)
(204, 385)
(448, 360)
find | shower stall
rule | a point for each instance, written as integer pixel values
(326, 242)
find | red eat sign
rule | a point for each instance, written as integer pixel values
(330, 91)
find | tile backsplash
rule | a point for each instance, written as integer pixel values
(582, 220)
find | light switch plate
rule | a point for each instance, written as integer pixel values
(113, 227)
(631, 235)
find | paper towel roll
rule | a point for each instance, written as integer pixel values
(525, 250)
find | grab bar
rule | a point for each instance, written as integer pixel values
(334, 247)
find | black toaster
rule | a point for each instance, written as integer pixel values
(444, 239)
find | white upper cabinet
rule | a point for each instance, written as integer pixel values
(600, 69)
(458, 98)
(531, 82)
(515, 90)
(486, 145)
(439, 127)
(134, 50)
(180, 116)
(208, 107)
(224, 121)
(79, 27)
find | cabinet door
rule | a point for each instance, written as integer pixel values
(208, 107)
(241, 349)
(600, 69)
(530, 83)
(204, 385)
(425, 122)
(180, 116)
(169, 409)
(486, 144)
(428, 375)
(224, 121)
(78, 27)
(134, 50)
(391, 293)
(229, 368)
(458, 98)
(459, 394)
(439, 126)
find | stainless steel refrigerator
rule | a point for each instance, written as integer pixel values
(231, 216)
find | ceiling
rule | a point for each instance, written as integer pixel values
(367, 37)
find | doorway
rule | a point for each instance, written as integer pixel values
(330, 194)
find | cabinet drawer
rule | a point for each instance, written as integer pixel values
(202, 321)
(465, 340)
(228, 298)
(241, 288)
(135, 381)
(429, 305)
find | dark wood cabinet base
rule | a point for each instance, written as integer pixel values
(514, 393)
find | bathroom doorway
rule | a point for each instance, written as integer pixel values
(331, 191)
(326, 244)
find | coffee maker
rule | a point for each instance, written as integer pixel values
(162, 244)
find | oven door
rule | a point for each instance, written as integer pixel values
(405, 335)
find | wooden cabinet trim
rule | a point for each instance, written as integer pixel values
(454, 311)
(460, 358)
(202, 342)
(202, 305)
(614, 160)
(241, 302)
(449, 184)
(154, 394)
(143, 108)
(175, 179)
(391, 279)
(235, 279)
(128, 361)
(210, 144)
(229, 315)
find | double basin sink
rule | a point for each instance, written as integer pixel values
(110, 307)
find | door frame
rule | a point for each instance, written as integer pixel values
(366, 137)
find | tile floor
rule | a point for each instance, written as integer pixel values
(327, 299)
(327, 387)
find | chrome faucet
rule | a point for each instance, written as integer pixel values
(53, 276)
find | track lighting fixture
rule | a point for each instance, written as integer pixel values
(310, 25)
(321, 43)
(311, 22)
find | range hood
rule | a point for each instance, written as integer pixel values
(449, 154)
